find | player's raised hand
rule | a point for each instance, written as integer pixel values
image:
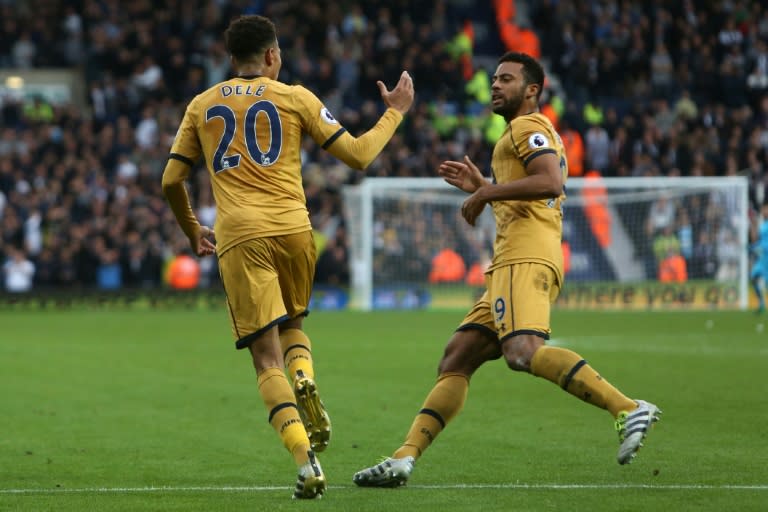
(201, 243)
(462, 175)
(401, 97)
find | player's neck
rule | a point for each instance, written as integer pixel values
(249, 71)
(526, 110)
(249, 67)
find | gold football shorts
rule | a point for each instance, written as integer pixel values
(517, 300)
(267, 281)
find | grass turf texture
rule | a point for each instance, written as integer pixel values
(157, 411)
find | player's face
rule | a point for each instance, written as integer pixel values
(507, 89)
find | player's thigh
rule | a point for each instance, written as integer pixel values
(474, 341)
(521, 296)
(296, 263)
(479, 316)
(250, 279)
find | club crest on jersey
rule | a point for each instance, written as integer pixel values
(327, 116)
(538, 141)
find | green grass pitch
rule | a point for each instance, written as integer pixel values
(155, 410)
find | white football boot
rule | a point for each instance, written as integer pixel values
(632, 427)
(388, 473)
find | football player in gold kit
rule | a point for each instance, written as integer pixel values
(249, 131)
(512, 318)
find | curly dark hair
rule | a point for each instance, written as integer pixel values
(533, 72)
(248, 35)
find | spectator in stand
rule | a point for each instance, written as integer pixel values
(19, 272)
(661, 215)
(704, 262)
(729, 254)
(574, 147)
(447, 267)
(665, 244)
(685, 233)
(673, 268)
(333, 263)
(685, 108)
(598, 148)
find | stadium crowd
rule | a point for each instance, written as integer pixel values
(638, 88)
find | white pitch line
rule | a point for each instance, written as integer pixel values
(108, 490)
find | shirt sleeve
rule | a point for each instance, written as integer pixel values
(532, 137)
(186, 146)
(316, 119)
(185, 151)
(357, 152)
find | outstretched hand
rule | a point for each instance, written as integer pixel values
(401, 97)
(201, 243)
(467, 177)
(462, 175)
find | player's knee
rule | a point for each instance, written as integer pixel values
(293, 323)
(518, 351)
(452, 360)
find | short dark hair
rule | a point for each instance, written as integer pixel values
(532, 70)
(248, 35)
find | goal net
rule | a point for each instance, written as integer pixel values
(629, 243)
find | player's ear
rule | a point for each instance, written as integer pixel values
(270, 55)
(532, 90)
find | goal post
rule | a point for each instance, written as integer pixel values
(629, 243)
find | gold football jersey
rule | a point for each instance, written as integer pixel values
(249, 132)
(527, 230)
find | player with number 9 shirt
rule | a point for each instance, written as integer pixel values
(511, 320)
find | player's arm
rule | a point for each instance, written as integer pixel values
(186, 148)
(544, 181)
(174, 176)
(533, 143)
(544, 171)
(359, 152)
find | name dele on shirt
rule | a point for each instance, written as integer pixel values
(242, 90)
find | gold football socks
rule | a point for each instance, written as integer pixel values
(442, 404)
(571, 372)
(277, 395)
(297, 352)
